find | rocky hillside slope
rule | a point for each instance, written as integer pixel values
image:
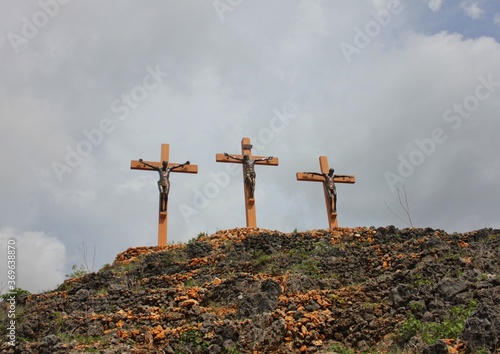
(361, 290)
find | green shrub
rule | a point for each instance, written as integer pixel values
(192, 338)
(451, 327)
(16, 292)
(77, 271)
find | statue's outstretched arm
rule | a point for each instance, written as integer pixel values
(233, 157)
(180, 165)
(264, 158)
(147, 164)
(314, 173)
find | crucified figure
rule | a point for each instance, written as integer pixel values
(331, 190)
(249, 170)
(164, 181)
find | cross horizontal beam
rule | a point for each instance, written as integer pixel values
(222, 158)
(305, 176)
(137, 165)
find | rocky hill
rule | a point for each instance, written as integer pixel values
(360, 290)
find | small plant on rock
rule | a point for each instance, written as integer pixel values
(77, 272)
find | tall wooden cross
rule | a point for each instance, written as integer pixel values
(151, 166)
(330, 200)
(248, 174)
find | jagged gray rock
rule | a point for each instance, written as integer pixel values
(246, 290)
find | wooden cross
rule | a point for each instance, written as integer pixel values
(163, 210)
(322, 177)
(248, 180)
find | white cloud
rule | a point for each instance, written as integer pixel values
(472, 9)
(40, 259)
(435, 5)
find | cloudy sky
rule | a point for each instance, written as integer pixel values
(397, 93)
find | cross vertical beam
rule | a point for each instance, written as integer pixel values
(323, 177)
(248, 172)
(157, 166)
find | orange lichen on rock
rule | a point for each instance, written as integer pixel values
(123, 334)
(193, 292)
(134, 253)
(455, 345)
(463, 244)
(197, 261)
(189, 303)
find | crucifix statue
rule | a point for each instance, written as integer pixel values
(248, 161)
(249, 170)
(329, 179)
(164, 181)
(163, 168)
